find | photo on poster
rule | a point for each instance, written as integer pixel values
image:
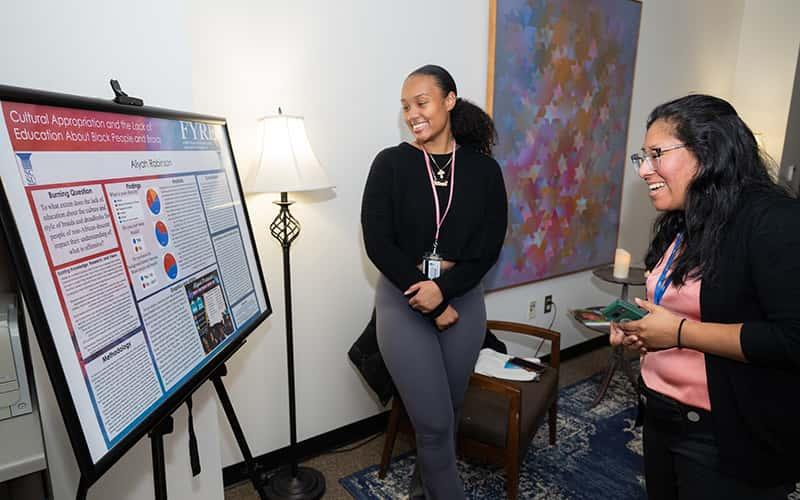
(209, 309)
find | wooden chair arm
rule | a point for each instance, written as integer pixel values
(533, 331)
(494, 385)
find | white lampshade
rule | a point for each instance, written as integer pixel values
(287, 162)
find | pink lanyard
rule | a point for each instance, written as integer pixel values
(440, 218)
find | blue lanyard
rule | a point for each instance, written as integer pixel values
(664, 280)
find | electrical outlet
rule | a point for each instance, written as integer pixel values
(548, 303)
(532, 309)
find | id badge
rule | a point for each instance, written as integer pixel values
(432, 265)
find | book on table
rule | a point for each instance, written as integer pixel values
(591, 317)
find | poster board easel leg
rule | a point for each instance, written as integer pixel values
(159, 466)
(83, 488)
(227, 406)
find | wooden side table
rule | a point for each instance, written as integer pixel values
(617, 359)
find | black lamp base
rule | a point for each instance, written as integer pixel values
(309, 484)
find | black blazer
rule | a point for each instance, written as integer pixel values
(756, 405)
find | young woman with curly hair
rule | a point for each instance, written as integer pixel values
(434, 217)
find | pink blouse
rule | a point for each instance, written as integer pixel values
(677, 373)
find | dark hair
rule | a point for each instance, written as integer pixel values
(470, 124)
(729, 161)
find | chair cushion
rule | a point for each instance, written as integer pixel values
(484, 416)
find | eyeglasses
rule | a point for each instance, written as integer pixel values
(651, 160)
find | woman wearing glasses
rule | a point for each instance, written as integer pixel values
(721, 343)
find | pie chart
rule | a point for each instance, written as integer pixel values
(162, 235)
(170, 266)
(153, 202)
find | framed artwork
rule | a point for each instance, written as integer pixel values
(559, 89)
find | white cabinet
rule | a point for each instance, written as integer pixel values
(22, 450)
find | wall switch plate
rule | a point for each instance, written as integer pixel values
(532, 309)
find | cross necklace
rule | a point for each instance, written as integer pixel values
(440, 171)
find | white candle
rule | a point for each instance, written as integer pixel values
(622, 263)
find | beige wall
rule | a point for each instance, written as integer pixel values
(765, 68)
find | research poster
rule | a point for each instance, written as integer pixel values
(136, 236)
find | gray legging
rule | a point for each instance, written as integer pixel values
(431, 370)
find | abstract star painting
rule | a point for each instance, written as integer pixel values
(560, 86)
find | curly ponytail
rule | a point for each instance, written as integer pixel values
(471, 126)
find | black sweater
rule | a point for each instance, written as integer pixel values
(398, 218)
(756, 405)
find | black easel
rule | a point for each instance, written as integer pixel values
(166, 425)
(222, 393)
(159, 465)
(83, 488)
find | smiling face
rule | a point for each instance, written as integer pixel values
(675, 169)
(426, 111)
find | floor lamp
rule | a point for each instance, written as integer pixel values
(288, 164)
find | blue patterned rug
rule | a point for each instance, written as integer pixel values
(598, 455)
